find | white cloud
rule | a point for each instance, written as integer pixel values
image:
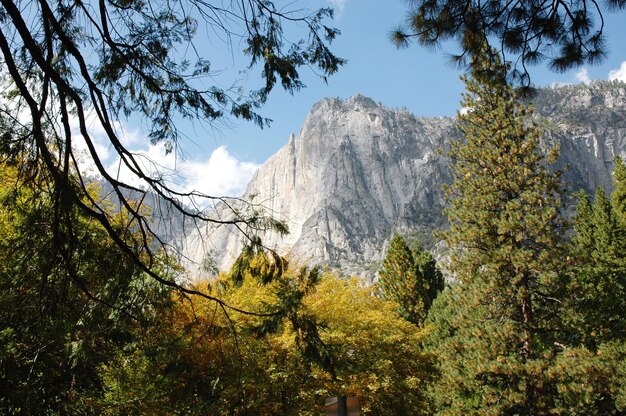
(583, 76)
(153, 161)
(99, 139)
(221, 174)
(618, 74)
(339, 5)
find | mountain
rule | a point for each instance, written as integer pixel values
(357, 171)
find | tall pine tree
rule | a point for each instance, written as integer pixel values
(497, 337)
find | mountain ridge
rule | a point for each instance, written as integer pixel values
(358, 170)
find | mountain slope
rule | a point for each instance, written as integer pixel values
(359, 170)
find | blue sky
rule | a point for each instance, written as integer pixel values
(221, 161)
(416, 78)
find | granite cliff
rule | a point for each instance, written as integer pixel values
(357, 171)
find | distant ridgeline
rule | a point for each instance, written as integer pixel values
(357, 171)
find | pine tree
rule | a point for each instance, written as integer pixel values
(432, 279)
(505, 237)
(583, 238)
(398, 281)
(606, 236)
(590, 373)
(411, 278)
(598, 281)
(566, 34)
(618, 196)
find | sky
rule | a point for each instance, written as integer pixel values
(222, 160)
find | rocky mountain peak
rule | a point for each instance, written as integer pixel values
(360, 101)
(357, 171)
(355, 103)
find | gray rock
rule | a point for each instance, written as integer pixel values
(357, 171)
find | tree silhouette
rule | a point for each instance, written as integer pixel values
(566, 34)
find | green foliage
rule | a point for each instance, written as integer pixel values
(618, 196)
(71, 68)
(567, 34)
(496, 336)
(575, 381)
(590, 382)
(398, 281)
(409, 278)
(238, 370)
(503, 200)
(429, 273)
(598, 279)
(577, 339)
(67, 300)
(532, 328)
(165, 371)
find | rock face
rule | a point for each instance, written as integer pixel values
(589, 121)
(358, 171)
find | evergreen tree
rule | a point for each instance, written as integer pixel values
(505, 237)
(566, 34)
(398, 281)
(598, 281)
(618, 196)
(410, 278)
(590, 372)
(583, 238)
(432, 279)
